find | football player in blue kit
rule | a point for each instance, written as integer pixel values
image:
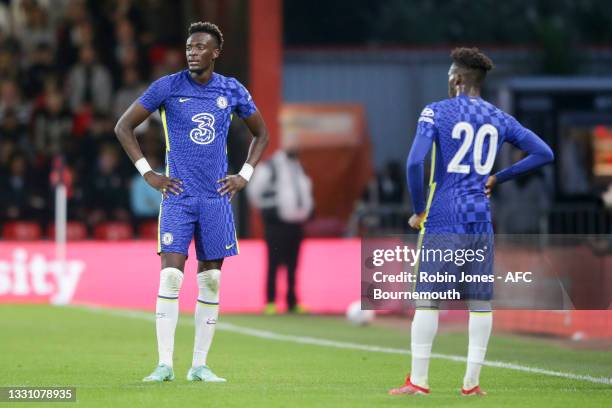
(464, 134)
(196, 107)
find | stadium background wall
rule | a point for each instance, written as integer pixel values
(118, 275)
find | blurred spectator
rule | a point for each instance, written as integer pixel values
(8, 68)
(131, 89)
(14, 137)
(11, 100)
(132, 58)
(144, 199)
(283, 192)
(12, 130)
(60, 62)
(126, 9)
(173, 61)
(89, 83)
(7, 148)
(124, 35)
(36, 29)
(391, 184)
(77, 205)
(382, 206)
(532, 188)
(5, 18)
(127, 51)
(99, 133)
(42, 67)
(52, 124)
(151, 138)
(129, 56)
(19, 199)
(106, 192)
(73, 33)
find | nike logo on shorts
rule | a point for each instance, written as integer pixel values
(229, 246)
(184, 99)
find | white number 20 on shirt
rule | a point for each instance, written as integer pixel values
(467, 129)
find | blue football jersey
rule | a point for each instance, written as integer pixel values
(466, 134)
(196, 119)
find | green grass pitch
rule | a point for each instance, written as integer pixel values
(105, 354)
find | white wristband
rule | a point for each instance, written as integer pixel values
(246, 171)
(142, 165)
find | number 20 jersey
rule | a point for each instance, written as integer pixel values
(196, 119)
(466, 133)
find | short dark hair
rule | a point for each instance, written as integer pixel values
(474, 60)
(207, 27)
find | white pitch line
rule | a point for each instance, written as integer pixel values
(264, 334)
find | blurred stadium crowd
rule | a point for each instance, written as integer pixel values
(69, 68)
(64, 80)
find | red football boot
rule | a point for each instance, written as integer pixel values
(409, 389)
(473, 391)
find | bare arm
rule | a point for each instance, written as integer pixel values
(234, 183)
(260, 141)
(124, 129)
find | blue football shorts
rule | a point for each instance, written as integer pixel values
(459, 239)
(209, 221)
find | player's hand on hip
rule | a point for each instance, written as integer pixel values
(491, 181)
(231, 185)
(416, 220)
(164, 184)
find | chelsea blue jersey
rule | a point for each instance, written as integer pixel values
(196, 119)
(464, 134)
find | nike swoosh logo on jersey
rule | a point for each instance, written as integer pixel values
(229, 246)
(181, 100)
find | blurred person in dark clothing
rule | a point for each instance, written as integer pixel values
(7, 148)
(99, 133)
(131, 88)
(73, 32)
(283, 193)
(126, 9)
(130, 57)
(10, 128)
(51, 126)
(35, 30)
(89, 83)
(9, 68)
(391, 184)
(20, 200)
(125, 37)
(172, 62)
(106, 191)
(11, 100)
(42, 66)
(533, 188)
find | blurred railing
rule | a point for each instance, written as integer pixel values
(577, 219)
(386, 219)
(381, 219)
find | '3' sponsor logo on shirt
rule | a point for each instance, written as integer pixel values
(205, 132)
